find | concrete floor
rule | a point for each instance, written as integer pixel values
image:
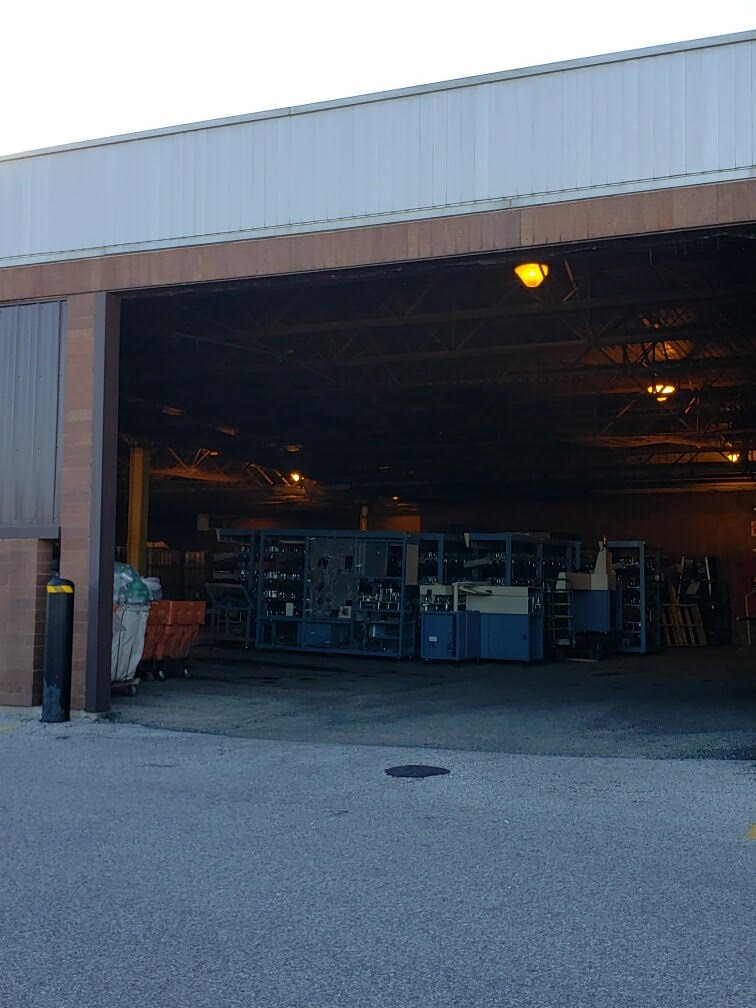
(171, 870)
(696, 703)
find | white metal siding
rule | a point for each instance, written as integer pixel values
(672, 117)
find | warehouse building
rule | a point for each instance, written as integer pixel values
(316, 317)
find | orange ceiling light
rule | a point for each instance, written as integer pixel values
(732, 456)
(660, 391)
(295, 477)
(531, 274)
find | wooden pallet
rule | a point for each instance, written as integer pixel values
(682, 625)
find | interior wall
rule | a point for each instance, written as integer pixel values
(682, 524)
(179, 530)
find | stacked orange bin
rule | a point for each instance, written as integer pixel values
(172, 628)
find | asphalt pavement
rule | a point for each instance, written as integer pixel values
(683, 703)
(159, 868)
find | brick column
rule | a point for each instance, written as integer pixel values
(88, 488)
(25, 569)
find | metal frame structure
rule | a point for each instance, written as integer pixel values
(233, 600)
(638, 604)
(560, 555)
(492, 557)
(286, 558)
(576, 359)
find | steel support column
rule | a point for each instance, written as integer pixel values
(139, 495)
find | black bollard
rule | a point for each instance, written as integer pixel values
(56, 685)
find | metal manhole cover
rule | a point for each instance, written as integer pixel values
(417, 770)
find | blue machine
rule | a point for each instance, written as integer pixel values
(508, 637)
(593, 611)
(511, 620)
(621, 599)
(450, 636)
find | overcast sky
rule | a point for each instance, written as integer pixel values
(79, 69)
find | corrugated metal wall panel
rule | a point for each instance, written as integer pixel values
(30, 386)
(674, 117)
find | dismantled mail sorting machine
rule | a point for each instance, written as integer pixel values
(499, 596)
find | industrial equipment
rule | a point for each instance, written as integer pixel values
(436, 597)
(511, 619)
(450, 636)
(518, 558)
(350, 592)
(639, 576)
(593, 595)
(233, 589)
(430, 565)
(504, 558)
(593, 607)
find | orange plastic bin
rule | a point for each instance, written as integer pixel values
(172, 627)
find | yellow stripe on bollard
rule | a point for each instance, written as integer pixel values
(60, 588)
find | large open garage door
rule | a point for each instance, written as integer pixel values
(615, 398)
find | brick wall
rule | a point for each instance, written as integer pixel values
(76, 479)
(87, 498)
(25, 568)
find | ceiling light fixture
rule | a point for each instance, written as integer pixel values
(532, 274)
(731, 455)
(660, 391)
(295, 477)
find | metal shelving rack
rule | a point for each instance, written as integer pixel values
(455, 555)
(336, 591)
(638, 570)
(505, 558)
(520, 558)
(560, 555)
(233, 589)
(280, 596)
(431, 558)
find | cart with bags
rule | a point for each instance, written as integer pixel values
(131, 607)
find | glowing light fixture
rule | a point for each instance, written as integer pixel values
(732, 456)
(213, 453)
(295, 477)
(532, 274)
(660, 391)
